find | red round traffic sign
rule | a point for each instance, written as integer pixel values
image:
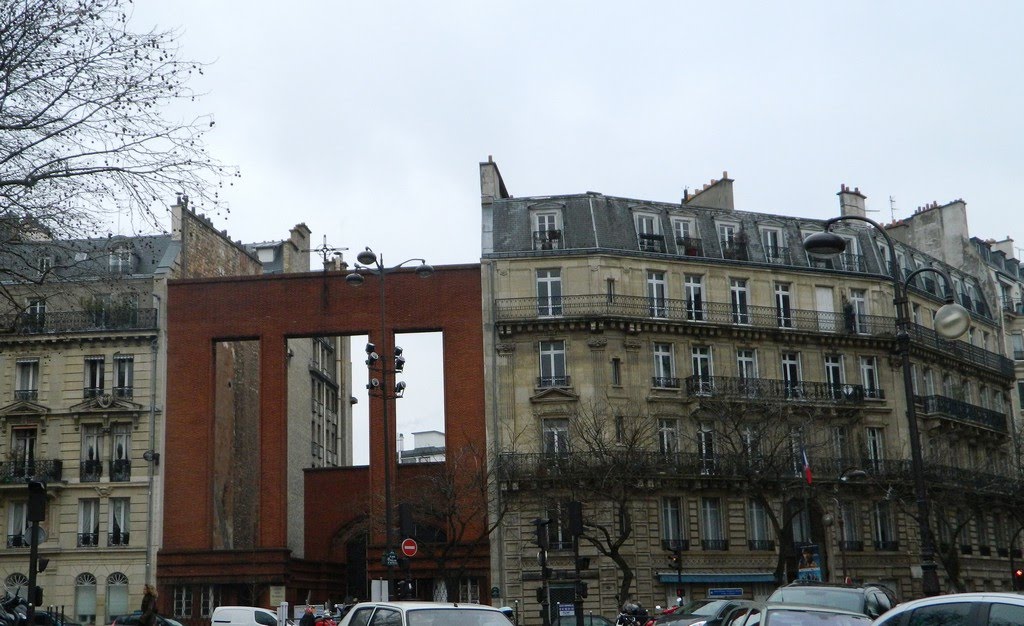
(409, 547)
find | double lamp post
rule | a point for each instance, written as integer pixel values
(951, 321)
(367, 261)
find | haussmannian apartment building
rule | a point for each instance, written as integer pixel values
(82, 391)
(670, 365)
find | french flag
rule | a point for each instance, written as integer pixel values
(807, 466)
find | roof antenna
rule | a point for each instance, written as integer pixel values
(892, 207)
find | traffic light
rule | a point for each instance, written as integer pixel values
(37, 596)
(674, 559)
(541, 532)
(1018, 579)
(581, 589)
(541, 595)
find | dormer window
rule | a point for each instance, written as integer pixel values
(687, 243)
(121, 260)
(547, 230)
(44, 264)
(648, 232)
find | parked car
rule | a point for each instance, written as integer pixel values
(771, 614)
(707, 612)
(243, 616)
(871, 600)
(588, 620)
(959, 609)
(406, 613)
(132, 619)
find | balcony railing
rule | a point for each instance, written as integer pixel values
(774, 390)
(117, 539)
(53, 322)
(123, 392)
(761, 544)
(650, 242)
(778, 255)
(90, 471)
(17, 541)
(960, 350)
(690, 246)
(714, 544)
(675, 545)
(963, 412)
(21, 471)
(1011, 305)
(553, 381)
(547, 240)
(30, 395)
(88, 540)
(851, 546)
(665, 382)
(120, 470)
(735, 250)
(846, 262)
(887, 546)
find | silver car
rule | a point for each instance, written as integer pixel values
(959, 609)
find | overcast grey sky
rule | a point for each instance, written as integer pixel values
(367, 120)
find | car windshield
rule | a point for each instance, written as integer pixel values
(455, 617)
(787, 617)
(847, 599)
(702, 607)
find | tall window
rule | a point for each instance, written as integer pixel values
(869, 377)
(746, 368)
(124, 375)
(739, 298)
(686, 233)
(92, 453)
(549, 293)
(758, 527)
(672, 521)
(859, 304)
(849, 521)
(774, 251)
(118, 529)
(121, 260)
(791, 378)
(17, 524)
(34, 319)
(182, 601)
(117, 595)
(209, 601)
(552, 364)
(841, 443)
(693, 288)
(783, 306)
(27, 379)
(85, 598)
(121, 452)
(617, 372)
(884, 533)
(664, 366)
(547, 234)
(834, 375)
(668, 435)
(706, 450)
(94, 366)
(24, 462)
(648, 232)
(656, 294)
(1017, 340)
(875, 440)
(556, 436)
(712, 532)
(700, 358)
(929, 382)
(88, 522)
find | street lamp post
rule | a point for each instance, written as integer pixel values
(951, 321)
(370, 262)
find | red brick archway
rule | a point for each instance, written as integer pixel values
(266, 311)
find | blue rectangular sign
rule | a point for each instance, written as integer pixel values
(725, 592)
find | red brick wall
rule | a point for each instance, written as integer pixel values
(270, 309)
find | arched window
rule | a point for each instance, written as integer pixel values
(117, 595)
(17, 584)
(85, 598)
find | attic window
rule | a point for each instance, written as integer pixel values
(121, 260)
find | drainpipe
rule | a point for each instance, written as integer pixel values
(154, 348)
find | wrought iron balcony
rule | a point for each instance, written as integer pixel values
(846, 262)
(553, 381)
(117, 539)
(851, 546)
(650, 242)
(690, 246)
(778, 255)
(30, 395)
(775, 390)
(675, 545)
(88, 540)
(887, 546)
(547, 239)
(123, 392)
(1011, 305)
(120, 470)
(665, 382)
(735, 250)
(714, 544)
(761, 544)
(963, 412)
(90, 471)
(18, 540)
(21, 471)
(52, 322)
(961, 350)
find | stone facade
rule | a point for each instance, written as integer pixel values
(669, 365)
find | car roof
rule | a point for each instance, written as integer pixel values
(410, 605)
(974, 596)
(782, 606)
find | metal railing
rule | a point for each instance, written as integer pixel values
(714, 544)
(117, 539)
(18, 540)
(851, 546)
(120, 470)
(650, 242)
(547, 239)
(962, 411)
(761, 544)
(778, 255)
(736, 251)
(26, 394)
(20, 471)
(960, 350)
(774, 390)
(689, 246)
(88, 540)
(665, 382)
(553, 381)
(887, 546)
(52, 322)
(90, 471)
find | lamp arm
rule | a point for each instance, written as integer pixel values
(937, 270)
(395, 267)
(899, 297)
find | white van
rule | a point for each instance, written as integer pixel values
(243, 616)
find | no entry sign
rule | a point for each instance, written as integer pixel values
(409, 547)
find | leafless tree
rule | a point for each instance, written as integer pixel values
(84, 125)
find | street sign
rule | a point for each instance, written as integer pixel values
(389, 559)
(725, 592)
(409, 547)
